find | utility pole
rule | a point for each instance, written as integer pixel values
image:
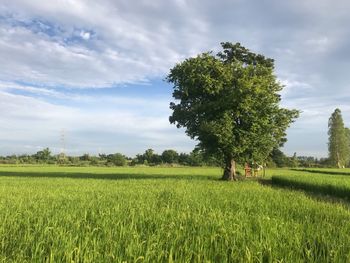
(62, 156)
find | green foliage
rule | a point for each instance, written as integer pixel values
(149, 157)
(170, 156)
(116, 159)
(294, 161)
(309, 161)
(89, 214)
(338, 144)
(347, 134)
(44, 155)
(230, 103)
(196, 158)
(85, 157)
(279, 158)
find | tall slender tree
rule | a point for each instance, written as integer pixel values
(347, 132)
(338, 144)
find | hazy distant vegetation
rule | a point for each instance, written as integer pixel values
(150, 158)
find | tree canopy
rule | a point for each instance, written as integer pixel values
(229, 102)
(339, 140)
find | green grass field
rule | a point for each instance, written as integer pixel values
(87, 214)
(330, 185)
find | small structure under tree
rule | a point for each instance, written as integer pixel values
(229, 102)
(253, 170)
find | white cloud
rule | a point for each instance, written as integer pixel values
(292, 87)
(129, 44)
(89, 44)
(85, 35)
(35, 123)
(8, 86)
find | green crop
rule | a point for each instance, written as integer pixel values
(324, 182)
(58, 214)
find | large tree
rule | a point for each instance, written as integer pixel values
(229, 102)
(338, 143)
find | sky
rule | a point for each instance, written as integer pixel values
(92, 72)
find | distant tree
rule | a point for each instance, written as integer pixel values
(294, 162)
(184, 159)
(279, 158)
(73, 160)
(338, 144)
(116, 159)
(102, 156)
(156, 159)
(148, 155)
(43, 155)
(138, 159)
(25, 158)
(170, 156)
(11, 159)
(85, 157)
(324, 162)
(230, 104)
(307, 161)
(94, 160)
(196, 159)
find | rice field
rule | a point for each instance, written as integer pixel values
(334, 183)
(88, 214)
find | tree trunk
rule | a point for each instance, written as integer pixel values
(338, 160)
(230, 170)
(264, 170)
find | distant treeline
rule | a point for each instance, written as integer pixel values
(279, 159)
(151, 158)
